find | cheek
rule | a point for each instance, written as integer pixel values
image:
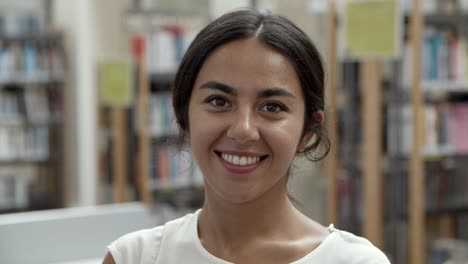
(203, 129)
(284, 138)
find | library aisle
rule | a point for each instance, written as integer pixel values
(88, 138)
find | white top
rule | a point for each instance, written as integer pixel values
(177, 242)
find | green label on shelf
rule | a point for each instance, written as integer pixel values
(372, 29)
(115, 83)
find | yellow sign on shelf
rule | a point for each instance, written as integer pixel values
(115, 83)
(372, 29)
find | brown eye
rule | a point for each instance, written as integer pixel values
(272, 108)
(218, 101)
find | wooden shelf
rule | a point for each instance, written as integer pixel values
(136, 10)
(47, 37)
(462, 209)
(432, 94)
(402, 215)
(436, 89)
(429, 156)
(443, 18)
(137, 18)
(25, 161)
(7, 122)
(162, 78)
(26, 79)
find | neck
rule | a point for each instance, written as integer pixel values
(225, 223)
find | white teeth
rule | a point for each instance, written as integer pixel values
(243, 161)
(240, 160)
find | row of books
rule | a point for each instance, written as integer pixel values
(445, 190)
(22, 22)
(441, 250)
(171, 168)
(447, 185)
(462, 226)
(445, 129)
(33, 105)
(24, 143)
(162, 119)
(444, 61)
(395, 193)
(350, 199)
(396, 240)
(30, 61)
(14, 187)
(166, 45)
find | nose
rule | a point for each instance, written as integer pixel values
(243, 128)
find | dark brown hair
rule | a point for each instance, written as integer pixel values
(274, 31)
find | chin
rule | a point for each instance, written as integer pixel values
(239, 199)
(234, 196)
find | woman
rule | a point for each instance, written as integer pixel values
(248, 97)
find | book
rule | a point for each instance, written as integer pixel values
(445, 129)
(171, 168)
(36, 104)
(14, 185)
(162, 117)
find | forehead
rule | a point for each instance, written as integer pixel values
(247, 64)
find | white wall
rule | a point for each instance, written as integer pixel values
(76, 19)
(219, 7)
(111, 35)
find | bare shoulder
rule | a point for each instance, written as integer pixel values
(108, 259)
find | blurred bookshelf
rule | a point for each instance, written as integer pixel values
(33, 78)
(157, 171)
(444, 149)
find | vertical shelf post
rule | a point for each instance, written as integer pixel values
(331, 165)
(416, 180)
(119, 158)
(143, 137)
(371, 79)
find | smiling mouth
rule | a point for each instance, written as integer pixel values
(240, 160)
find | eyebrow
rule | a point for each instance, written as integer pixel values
(219, 86)
(270, 92)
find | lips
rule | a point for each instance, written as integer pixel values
(240, 162)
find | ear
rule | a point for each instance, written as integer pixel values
(304, 141)
(319, 117)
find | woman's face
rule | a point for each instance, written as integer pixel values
(246, 117)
